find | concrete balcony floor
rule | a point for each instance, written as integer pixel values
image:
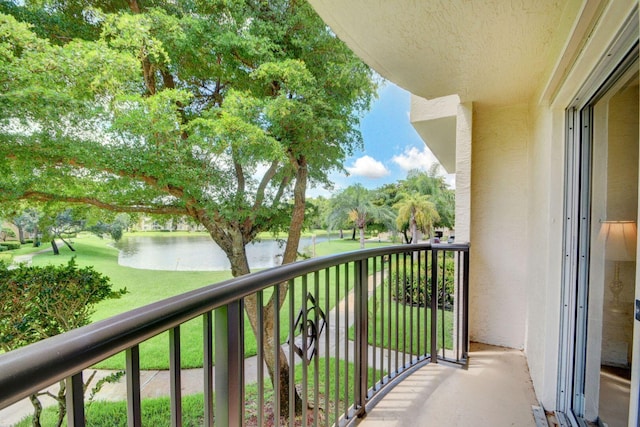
(495, 390)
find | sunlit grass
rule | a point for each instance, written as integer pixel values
(148, 286)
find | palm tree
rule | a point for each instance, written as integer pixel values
(355, 205)
(416, 212)
(432, 183)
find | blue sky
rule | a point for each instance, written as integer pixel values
(391, 145)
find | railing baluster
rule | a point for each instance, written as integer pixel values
(457, 294)
(260, 362)
(346, 342)
(397, 313)
(412, 353)
(465, 303)
(174, 377)
(372, 320)
(337, 348)
(361, 359)
(292, 360)
(316, 347)
(229, 355)
(134, 409)
(419, 306)
(276, 358)
(207, 364)
(403, 306)
(444, 301)
(389, 296)
(327, 354)
(75, 400)
(305, 360)
(382, 336)
(434, 306)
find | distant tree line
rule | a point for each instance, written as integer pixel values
(418, 204)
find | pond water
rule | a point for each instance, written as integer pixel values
(196, 253)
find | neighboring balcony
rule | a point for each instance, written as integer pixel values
(364, 327)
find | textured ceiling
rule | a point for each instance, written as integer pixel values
(490, 51)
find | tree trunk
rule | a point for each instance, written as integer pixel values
(240, 266)
(353, 236)
(362, 238)
(37, 410)
(21, 235)
(414, 229)
(271, 340)
(54, 245)
(67, 243)
(62, 402)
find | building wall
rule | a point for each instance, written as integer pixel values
(499, 200)
(546, 166)
(464, 127)
(544, 247)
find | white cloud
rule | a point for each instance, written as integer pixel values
(368, 167)
(413, 158)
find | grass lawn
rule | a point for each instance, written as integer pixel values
(335, 246)
(411, 332)
(148, 286)
(145, 287)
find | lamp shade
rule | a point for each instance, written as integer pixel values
(620, 240)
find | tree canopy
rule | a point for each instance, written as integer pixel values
(416, 213)
(432, 184)
(222, 111)
(213, 110)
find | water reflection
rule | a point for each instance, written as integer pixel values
(196, 253)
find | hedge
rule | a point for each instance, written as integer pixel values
(11, 245)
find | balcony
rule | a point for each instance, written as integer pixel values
(375, 333)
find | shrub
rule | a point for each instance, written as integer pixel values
(40, 302)
(414, 288)
(3, 248)
(11, 245)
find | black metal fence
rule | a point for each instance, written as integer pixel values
(348, 326)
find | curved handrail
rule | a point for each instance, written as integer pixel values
(29, 369)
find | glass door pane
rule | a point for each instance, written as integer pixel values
(607, 356)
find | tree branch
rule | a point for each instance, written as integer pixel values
(46, 197)
(268, 176)
(239, 175)
(283, 184)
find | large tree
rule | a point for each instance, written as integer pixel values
(222, 111)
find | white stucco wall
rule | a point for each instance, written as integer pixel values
(499, 200)
(544, 247)
(464, 126)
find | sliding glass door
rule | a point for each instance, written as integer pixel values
(600, 240)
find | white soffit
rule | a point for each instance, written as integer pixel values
(489, 51)
(435, 121)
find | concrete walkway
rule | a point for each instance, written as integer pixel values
(494, 391)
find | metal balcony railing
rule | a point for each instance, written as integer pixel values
(352, 324)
